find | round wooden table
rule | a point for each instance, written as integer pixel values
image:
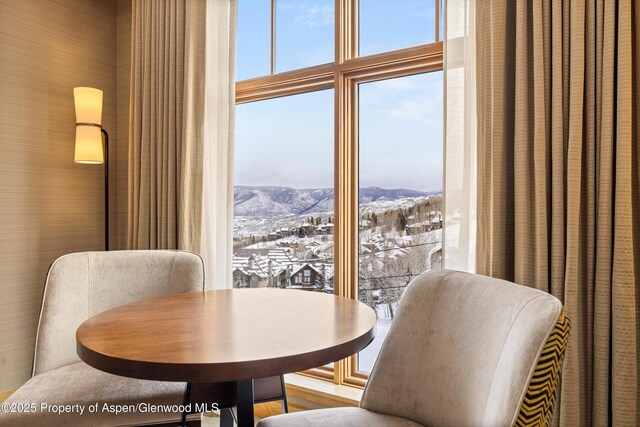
(226, 335)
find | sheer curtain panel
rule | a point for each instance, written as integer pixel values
(460, 135)
(217, 196)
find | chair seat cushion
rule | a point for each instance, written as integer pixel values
(349, 417)
(80, 386)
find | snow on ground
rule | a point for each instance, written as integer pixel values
(380, 206)
(244, 226)
(309, 241)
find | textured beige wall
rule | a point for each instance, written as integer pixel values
(49, 205)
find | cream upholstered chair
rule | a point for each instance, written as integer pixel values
(463, 350)
(78, 286)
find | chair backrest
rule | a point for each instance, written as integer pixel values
(464, 349)
(82, 284)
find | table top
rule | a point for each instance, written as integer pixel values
(225, 335)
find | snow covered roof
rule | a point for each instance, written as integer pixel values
(260, 265)
(281, 256)
(280, 260)
(248, 272)
(302, 266)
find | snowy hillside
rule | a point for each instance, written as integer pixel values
(261, 225)
(277, 201)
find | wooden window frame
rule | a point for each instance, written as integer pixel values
(344, 75)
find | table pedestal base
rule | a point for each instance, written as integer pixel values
(244, 402)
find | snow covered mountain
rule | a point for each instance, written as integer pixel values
(276, 201)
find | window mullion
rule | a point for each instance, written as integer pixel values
(273, 36)
(346, 206)
(346, 15)
(438, 6)
(346, 188)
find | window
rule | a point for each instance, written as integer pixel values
(400, 186)
(339, 137)
(304, 33)
(284, 189)
(390, 25)
(253, 56)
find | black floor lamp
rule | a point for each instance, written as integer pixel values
(89, 144)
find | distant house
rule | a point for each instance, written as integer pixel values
(280, 269)
(283, 232)
(251, 272)
(244, 279)
(306, 276)
(436, 223)
(326, 228)
(240, 278)
(418, 228)
(306, 229)
(280, 276)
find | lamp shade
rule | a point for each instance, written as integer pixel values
(88, 144)
(88, 102)
(88, 105)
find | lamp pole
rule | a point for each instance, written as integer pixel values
(106, 188)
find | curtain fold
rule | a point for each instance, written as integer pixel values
(559, 182)
(166, 119)
(182, 105)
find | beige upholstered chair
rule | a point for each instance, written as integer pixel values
(463, 350)
(78, 286)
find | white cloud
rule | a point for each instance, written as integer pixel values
(418, 108)
(409, 99)
(393, 85)
(315, 15)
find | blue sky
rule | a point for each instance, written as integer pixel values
(289, 141)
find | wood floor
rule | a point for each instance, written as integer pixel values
(4, 396)
(267, 409)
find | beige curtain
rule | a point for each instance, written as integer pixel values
(166, 124)
(559, 182)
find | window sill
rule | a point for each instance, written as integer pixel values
(311, 393)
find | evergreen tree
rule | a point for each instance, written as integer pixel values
(401, 222)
